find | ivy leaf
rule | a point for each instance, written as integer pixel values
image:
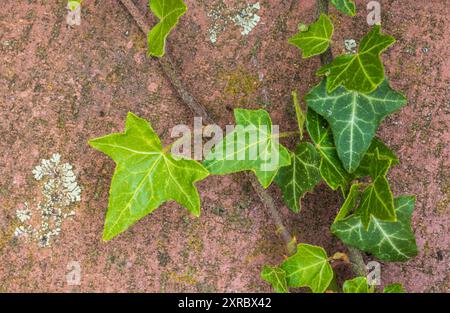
(363, 71)
(357, 285)
(299, 177)
(251, 146)
(316, 38)
(309, 267)
(345, 6)
(145, 176)
(388, 241)
(354, 117)
(377, 201)
(377, 160)
(299, 113)
(331, 168)
(276, 277)
(73, 4)
(350, 202)
(169, 12)
(394, 288)
(377, 198)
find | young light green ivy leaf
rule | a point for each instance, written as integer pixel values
(275, 276)
(345, 6)
(388, 241)
(309, 267)
(363, 71)
(357, 285)
(331, 168)
(394, 288)
(300, 177)
(169, 13)
(316, 38)
(252, 146)
(73, 4)
(354, 117)
(350, 202)
(145, 176)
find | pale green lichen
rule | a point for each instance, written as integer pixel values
(350, 46)
(247, 19)
(219, 23)
(60, 191)
(25, 214)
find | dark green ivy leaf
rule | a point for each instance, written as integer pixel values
(331, 168)
(377, 160)
(377, 201)
(388, 241)
(345, 6)
(354, 117)
(299, 177)
(350, 202)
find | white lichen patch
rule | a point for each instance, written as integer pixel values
(219, 22)
(22, 231)
(247, 19)
(60, 191)
(350, 46)
(24, 214)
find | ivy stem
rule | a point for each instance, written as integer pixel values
(355, 255)
(198, 109)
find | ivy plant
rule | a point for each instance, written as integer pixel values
(250, 154)
(315, 38)
(73, 4)
(357, 285)
(168, 12)
(363, 71)
(345, 6)
(343, 114)
(146, 176)
(354, 117)
(361, 285)
(388, 241)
